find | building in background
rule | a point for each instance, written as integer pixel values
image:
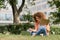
(6, 14)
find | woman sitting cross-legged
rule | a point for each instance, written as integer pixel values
(41, 25)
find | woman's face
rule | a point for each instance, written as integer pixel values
(38, 19)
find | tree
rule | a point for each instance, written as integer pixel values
(56, 14)
(15, 11)
(1, 3)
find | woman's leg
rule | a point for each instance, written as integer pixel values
(32, 33)
(44, 31)
(41, 30)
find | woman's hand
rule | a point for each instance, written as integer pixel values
(32, 30)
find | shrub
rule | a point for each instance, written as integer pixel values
(3, 29)
(55, 30)
(15, 29)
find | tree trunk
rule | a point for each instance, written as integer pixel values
(16, 19)
(16, 12)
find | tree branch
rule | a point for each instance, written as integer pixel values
(20, 8)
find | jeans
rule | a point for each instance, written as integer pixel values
(41, 30)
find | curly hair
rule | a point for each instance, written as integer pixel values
(39, 14)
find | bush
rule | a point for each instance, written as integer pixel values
(25, 26)
(15, 29)
(27, 17)
(2, 29)
(55, 30)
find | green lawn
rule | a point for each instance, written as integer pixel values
(28, 37)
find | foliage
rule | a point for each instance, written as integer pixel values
(27, 17)
(55, 30)
(56, 14)
(12, 1)
(2, 4)
(15, 29)
(55, 17)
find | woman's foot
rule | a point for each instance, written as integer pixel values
(34, 35)
(41, 35)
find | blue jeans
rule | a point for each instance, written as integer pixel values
(41, 30)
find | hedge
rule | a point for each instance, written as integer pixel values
(16, 29)
(55, 30)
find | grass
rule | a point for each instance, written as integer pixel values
(26, 36)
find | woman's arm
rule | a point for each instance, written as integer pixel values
(35, 28)
(48, 29)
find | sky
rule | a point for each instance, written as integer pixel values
(19, 2)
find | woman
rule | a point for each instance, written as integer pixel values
(39, 29)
